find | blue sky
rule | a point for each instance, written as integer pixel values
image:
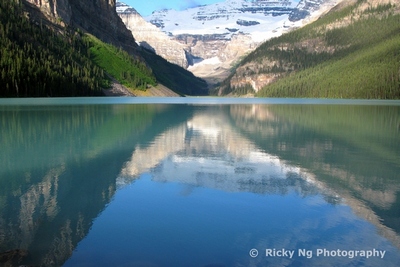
(146, 7)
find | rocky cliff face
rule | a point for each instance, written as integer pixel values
(186, 50)
(149, 36)
(218, 35)
(54, 8)
(263, 68)
(254, 74)
(104, 22)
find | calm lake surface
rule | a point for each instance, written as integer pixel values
(199, 182)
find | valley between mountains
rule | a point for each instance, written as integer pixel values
(209, 40)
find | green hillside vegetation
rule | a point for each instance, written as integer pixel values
(131, 72)
(359, 60)
(35, 61)
(41, 59)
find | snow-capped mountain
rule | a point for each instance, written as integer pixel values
(261, 19)
(215, 36)
(257, 18)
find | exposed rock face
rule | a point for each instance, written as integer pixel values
(55, 8)
(149, 36)
(249, 74)
(260, 74)
(202, 46)
(214, 58)
(304, 9)
(186, 50)
(218, 35)
(104, 22)
(262, 70)
(210, 39)
(257, 82)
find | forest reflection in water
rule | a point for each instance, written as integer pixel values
(193, 185)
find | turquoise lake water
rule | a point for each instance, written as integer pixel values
(199, 182)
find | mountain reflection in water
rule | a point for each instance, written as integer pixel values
(207, 152)
(193, 185)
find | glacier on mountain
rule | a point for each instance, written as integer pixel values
(261, 19)
(226, 31)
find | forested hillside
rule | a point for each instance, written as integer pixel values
(36, 61)
(351, 52)
(44, 58)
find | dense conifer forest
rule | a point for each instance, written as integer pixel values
(37, 61)
(41, 61)
(348, 53)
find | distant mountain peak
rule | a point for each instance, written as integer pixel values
(215, 36)
(123, 8)
(261, 19)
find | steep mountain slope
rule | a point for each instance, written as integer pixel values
(151, 37)
(35, 61)
(351, 52)
(43, 57)
(178, 79)
(70, 48)
(97, 17)
(215, 36)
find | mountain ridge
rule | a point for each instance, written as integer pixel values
(348, 53)
(150, 37)
(214, 37)
(104, 23)
(48, 48)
